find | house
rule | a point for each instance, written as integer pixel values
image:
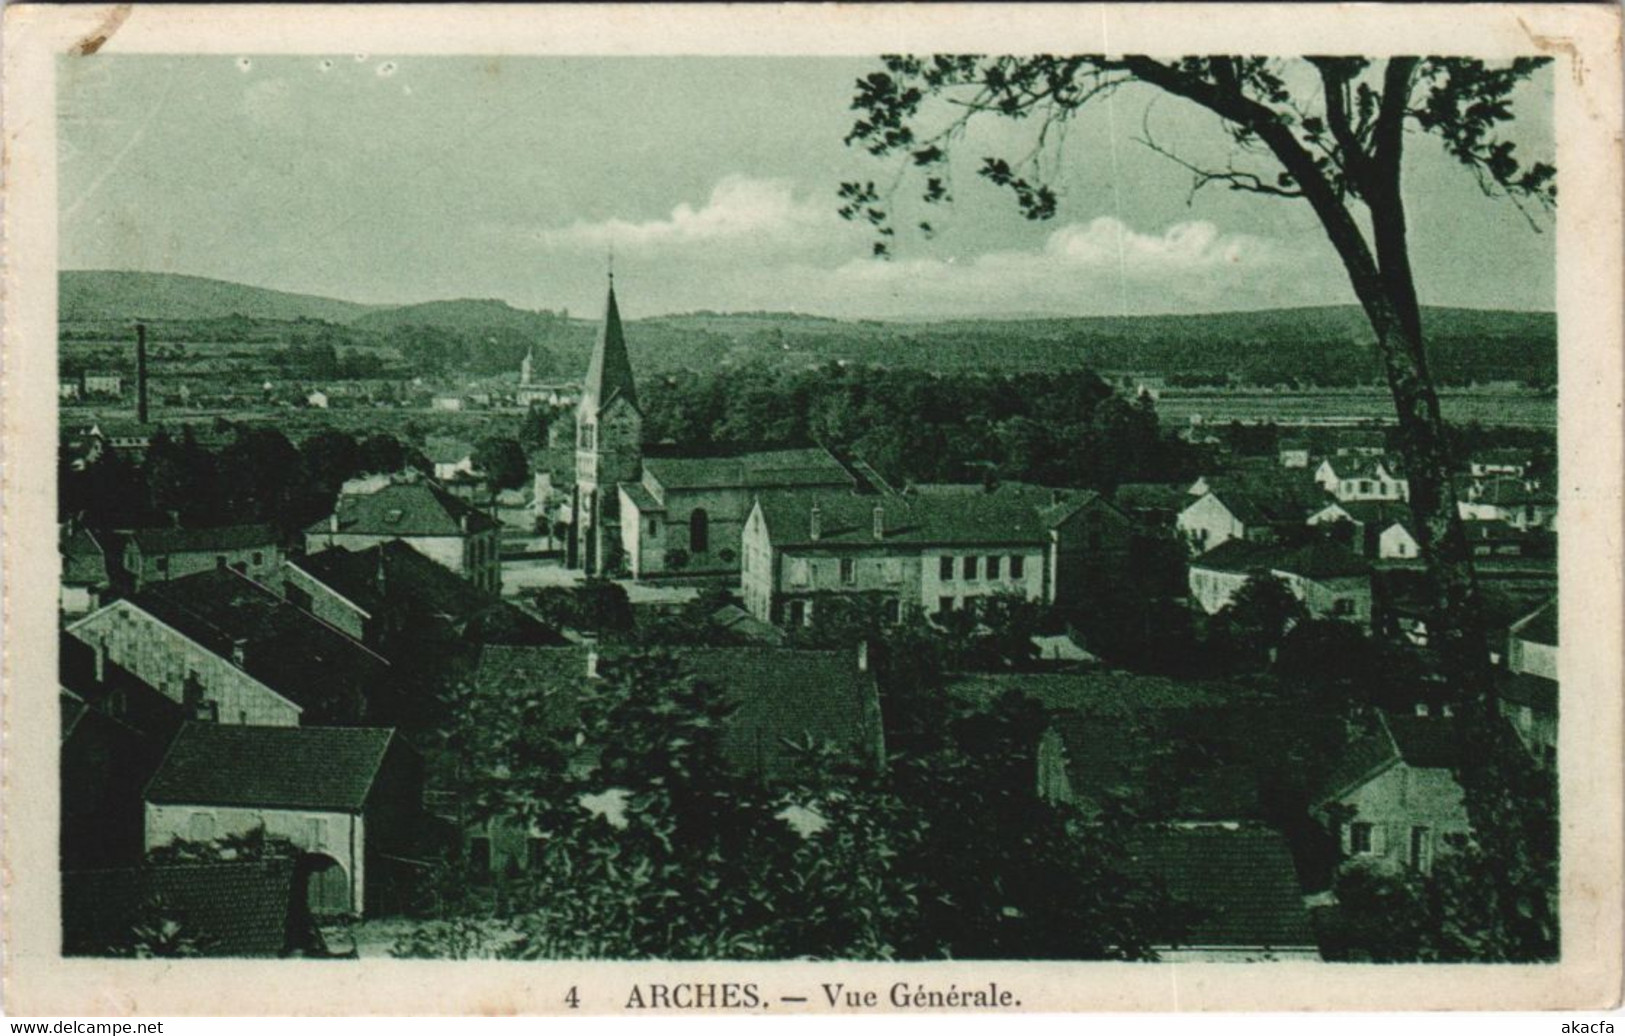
(317, 399)
(1330, 580)
(1355, 442)
(687, 513)
(426, 518)
(447, 401)
(1376, 528)
(450, 457)
(1360, 477)
(94, 680)
(1393, 796)
(1257, 510)
(346, 797)
(1521, 503)
(911, 553)
(103, 385)
(229, 649)
(68, 389)
(86, 577)
(1293, 453)
(219, 908)
(129, 437)
(1505, 461)
(1493, 538)
(1532, 643)
(155, 555)
(391, 589)
(1199, 775)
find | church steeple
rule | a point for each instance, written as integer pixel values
(609, 375)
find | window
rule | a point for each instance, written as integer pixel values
(1017, 562)
(654, 526)
(1419, 848)
(1365, 485)
(242, 717)
(969, 568)
(699, 531)
(945, 569)
(1342, 606)
(945, 605)
(992, 566)
(893, 610)
(162, 564)
(798, 572)
(796, 613)
(849, 572)
(219, 561)
(259, 557)
(1360, 838)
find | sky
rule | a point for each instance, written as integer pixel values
(398, 179)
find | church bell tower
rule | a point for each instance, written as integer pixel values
(609, 445)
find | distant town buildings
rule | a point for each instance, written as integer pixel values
(425, 517)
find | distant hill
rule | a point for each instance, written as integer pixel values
(1326, 345)
(459, 315)
(121, 295)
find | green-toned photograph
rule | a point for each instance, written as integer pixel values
(915, 507)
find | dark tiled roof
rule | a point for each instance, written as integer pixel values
(1540, 627)
(1515, 492)
(84, 563)
(762, 469)
(1097, 692)
(1315, 560)
(204, 541)
(1503, 456)
(394, 574)
(787, 697)
(1381, 513)
(1006, 516)
(405, 509)
(1152, 496)
(641, 498)
(447, 451)
(326, 768)
(609, 372)
(1239, 883)
(237, 909)
(1276, 500)
(289, 650)
(1428, 742)
(1537, 692)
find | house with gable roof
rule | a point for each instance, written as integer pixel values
(86, 576)
(155, 555)
(1330, 580)
(1260, 510)
(1361, 477)
(1396, 797)
(346, 797)
(1376, 528)
(426, 518)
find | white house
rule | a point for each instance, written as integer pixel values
(1331, 581)
(344, 796)
(1363, 478)
(1402, 805)
(1378, 529)
(317, 399)
(1532, 642)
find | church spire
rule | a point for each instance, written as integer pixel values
(609, 375)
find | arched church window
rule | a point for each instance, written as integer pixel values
(699, 531)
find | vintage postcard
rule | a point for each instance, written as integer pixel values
(812, 509)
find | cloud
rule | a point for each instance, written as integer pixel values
(740, 209)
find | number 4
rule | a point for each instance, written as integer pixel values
(572, 999)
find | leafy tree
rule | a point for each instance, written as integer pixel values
(1261, 614)
(1332, 133)
(503, 460)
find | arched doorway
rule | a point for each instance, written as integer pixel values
(327, 885)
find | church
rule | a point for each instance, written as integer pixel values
(648, 511)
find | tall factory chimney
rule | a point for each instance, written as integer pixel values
(141, 373)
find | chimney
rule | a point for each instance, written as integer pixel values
(333, 521)
(592, 663)
(863, 656)
(464, 523)
(880, 522)
(141, 373)
(239, 652)
(101, 662)
(815, 524)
